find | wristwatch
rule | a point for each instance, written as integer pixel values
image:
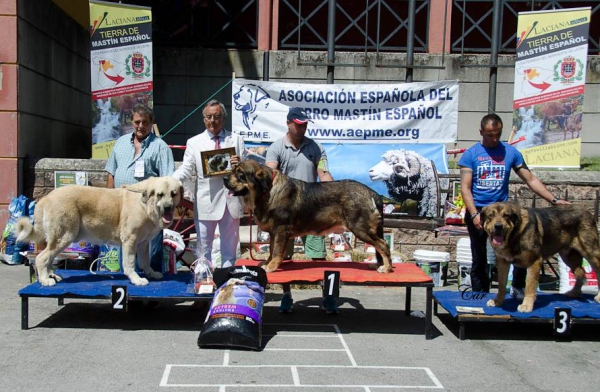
(473, 216)
(554, 200)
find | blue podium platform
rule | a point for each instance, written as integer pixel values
(83, 284)
(465, 307)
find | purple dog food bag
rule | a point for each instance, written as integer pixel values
(235, 316)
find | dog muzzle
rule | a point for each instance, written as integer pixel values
(167, 216)
(498, 236)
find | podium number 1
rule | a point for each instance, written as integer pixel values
(331, 284)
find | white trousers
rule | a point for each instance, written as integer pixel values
(229, 231)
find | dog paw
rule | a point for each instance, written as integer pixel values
(47, 282)
(154, 275)
(56, 278)
(493, 304)
(267, 268)
(574, 294)
(383, 269)
(137, 281)
(525, 308)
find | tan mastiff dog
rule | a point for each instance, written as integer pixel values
(130, 216)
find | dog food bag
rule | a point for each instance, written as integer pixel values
(235, 316)
(11, 249)
(109, 258)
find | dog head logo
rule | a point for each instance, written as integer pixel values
(249, 98)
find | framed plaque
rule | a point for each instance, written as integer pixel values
(217, 162)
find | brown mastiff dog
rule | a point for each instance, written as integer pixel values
(285, 208)
(130, 216)
(526, 237)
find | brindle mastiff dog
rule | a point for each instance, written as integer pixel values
(285, 208)
(527, 236)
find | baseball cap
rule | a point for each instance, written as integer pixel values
(298, 115)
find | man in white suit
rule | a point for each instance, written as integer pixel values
(214, 205)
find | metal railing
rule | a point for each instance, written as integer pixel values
(471, 30)
(381, 25)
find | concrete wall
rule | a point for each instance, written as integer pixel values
(9, 164)
(44, 90)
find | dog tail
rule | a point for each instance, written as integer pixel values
(26, 232)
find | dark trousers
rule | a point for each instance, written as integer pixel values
(480, 276)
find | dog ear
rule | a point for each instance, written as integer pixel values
(515, 217)
(180, 193)
(482, 215)
(140, 187)
(263, 177)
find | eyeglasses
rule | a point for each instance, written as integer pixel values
(213, 117)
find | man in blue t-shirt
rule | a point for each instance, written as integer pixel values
(484, 178)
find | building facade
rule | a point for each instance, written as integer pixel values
(45, 100)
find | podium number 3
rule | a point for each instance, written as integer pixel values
(562, 321)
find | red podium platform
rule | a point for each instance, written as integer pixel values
(360, 274)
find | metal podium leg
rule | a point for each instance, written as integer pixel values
(429, 314)
(24, 312)
(408, 300)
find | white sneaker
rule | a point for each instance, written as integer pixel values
(517, 293)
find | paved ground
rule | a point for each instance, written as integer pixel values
(370, 346)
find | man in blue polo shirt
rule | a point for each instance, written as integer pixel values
(484, 178)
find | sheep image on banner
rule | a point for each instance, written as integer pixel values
(408, 176)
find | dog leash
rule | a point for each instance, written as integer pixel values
(260, 199)
(251, 244)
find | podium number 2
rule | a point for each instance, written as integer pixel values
(119, 296)
(331, 284)
(562, 321)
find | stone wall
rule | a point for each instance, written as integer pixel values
(577, 186)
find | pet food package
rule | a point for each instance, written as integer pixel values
(109, 258)
(10, 252)
(83, 248)
(567, 279)
(235, 316)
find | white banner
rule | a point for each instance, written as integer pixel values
(351, 113)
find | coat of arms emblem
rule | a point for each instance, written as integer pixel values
(137, 63)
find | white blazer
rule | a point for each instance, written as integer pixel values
(211, 194)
